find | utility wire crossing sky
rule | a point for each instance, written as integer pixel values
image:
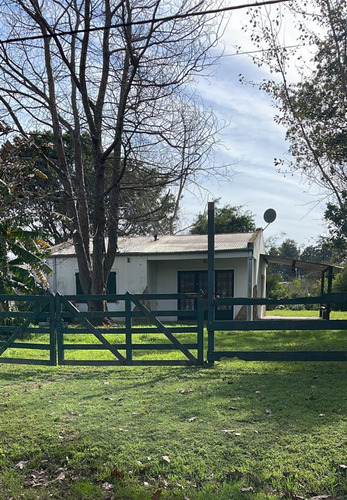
(164, 19)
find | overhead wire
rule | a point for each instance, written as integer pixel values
(249, 52)
(144, 21)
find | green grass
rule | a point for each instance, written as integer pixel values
(288, 313)
(330, 340)
(240, 430)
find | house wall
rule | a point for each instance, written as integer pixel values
(131, 275)
(158, 274)
(167, 273)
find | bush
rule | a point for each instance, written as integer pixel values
(340, 286)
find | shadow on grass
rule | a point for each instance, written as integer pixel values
(105, 417)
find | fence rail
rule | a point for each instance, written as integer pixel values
(28, 315)
(290, 324)
(119, 340)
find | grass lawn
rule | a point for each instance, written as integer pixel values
(238, 430)
(287, 313)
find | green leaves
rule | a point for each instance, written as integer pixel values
(228, 219)
(22, 265)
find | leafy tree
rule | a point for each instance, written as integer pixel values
(288, 249)
(336, 217)
(22, 265)
(22, 251)
(228, 219)
(324, 250)
(119, 73)
(340, 281)
(313, 108)
(145, 205)
(275, 288)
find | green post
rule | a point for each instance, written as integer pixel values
(52, 331)
(211, 282)
(59, 329)
(330, 285)
(322, 293)
(200, 327)
(128, 326)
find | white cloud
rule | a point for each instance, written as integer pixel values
(253, 138)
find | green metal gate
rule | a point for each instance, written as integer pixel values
(283, 324)
(44, 330)
(21, 318)
(131, 334)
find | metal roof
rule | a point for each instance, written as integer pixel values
(311, 266)
(168, 244)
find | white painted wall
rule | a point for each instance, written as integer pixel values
(167, 272)
(158, 273)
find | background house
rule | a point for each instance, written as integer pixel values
(171, 264)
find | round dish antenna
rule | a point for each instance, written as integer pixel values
(269, 215)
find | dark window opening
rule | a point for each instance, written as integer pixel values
(111, 284)
(193, 281)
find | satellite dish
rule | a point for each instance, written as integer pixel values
(269, 215)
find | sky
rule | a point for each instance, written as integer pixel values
(251, 140)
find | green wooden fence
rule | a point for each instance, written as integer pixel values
(21, 318)
(135, 334)
(282, 324)
(121, 339)
(131, 335)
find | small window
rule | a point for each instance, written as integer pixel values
(111, 284)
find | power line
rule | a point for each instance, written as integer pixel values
(145, 21)
(284, 47)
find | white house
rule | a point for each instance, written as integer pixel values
(171, 264)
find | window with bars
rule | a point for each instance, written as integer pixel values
(193, 281)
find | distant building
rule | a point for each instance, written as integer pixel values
(174, 264)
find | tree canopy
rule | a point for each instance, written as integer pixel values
(228, 219)
(313, 107)
(22, 251)
(146, 207)
(119, 74)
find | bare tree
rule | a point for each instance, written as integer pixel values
(114, 70)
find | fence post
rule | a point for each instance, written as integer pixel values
(52, 331)
(128, 326)
(211, 282)
(330, 284)
(200, 326)
(59, 329)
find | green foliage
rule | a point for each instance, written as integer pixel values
(324, 250)
(336, 217)
(22, 265)
(22, 251)
(312, 109)
(228, 219)
(279, 275)
(340, 281)
(339, 286)
(275, 288)
(145, 205)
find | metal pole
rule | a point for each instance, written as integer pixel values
(210, 282)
